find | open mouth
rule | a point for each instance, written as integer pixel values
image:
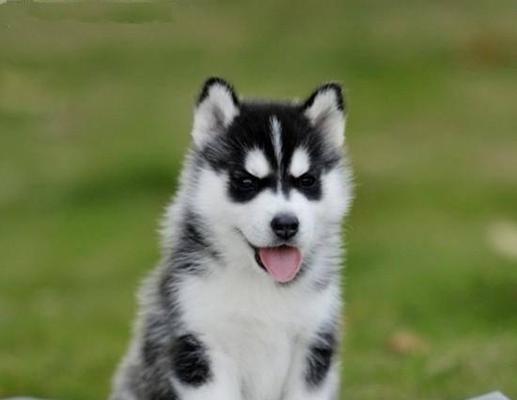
(282, 262)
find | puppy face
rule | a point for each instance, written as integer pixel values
(272, 178)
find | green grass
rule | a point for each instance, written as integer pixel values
(95, 109)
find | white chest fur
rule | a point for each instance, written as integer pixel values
(260, 327)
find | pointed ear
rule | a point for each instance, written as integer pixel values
(325, 109)
(216, 107)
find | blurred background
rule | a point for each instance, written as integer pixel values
(95, 112)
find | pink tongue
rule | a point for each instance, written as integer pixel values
(283, 262)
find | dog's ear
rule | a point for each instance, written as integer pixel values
(216, 107)
(325, 109)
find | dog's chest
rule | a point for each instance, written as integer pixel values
(262, 357)
(262, 329)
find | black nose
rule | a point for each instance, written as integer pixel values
(285, 226)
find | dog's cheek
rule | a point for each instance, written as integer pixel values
(209, 197)
(336, 197)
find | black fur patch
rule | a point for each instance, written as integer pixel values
(319, 358)
(146, 384)
(155, 338)
(190, 361)
(150, 351)
(192, 240)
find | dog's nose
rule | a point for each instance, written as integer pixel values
(285, 226)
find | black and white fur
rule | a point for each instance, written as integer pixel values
(213, 324)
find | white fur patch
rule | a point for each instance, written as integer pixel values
(276, 133)
(213, 114)
(300, 163)
(256, 164)
(325, 113)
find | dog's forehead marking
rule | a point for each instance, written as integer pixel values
(300, 162)
(276, 135)
(256, 163)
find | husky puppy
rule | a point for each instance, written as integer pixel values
(246, 302)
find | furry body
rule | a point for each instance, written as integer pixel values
(246, 302)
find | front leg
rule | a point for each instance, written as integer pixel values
(315, 373)
(202, 372)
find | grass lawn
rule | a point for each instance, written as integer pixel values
(95, 111)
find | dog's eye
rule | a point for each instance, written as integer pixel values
(306, 180)
(245, 182)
